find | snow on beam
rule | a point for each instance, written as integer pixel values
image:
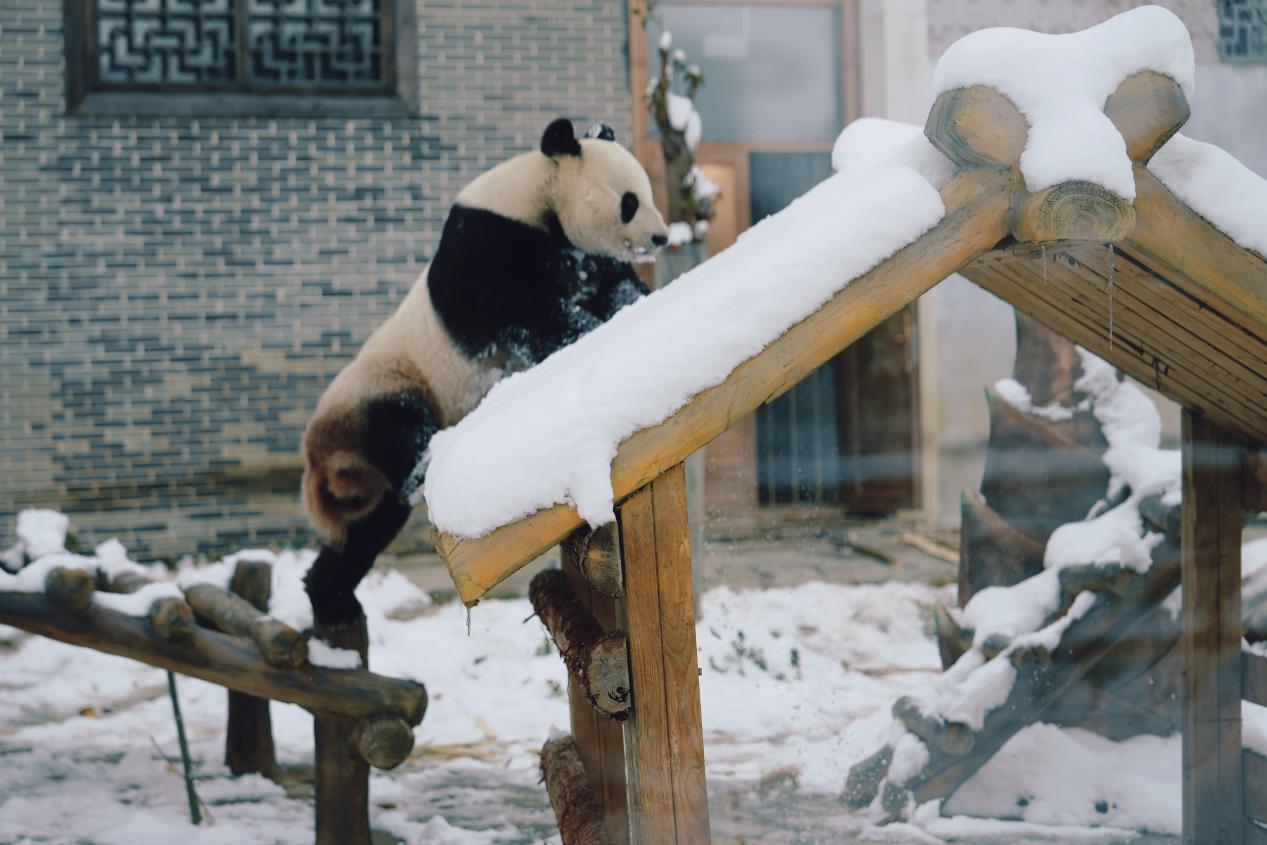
(978, 204)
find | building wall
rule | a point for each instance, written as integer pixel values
(175, 293)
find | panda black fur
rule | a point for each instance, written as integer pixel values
(535, 253)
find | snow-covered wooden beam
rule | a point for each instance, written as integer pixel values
(217, 658)
(978, 204)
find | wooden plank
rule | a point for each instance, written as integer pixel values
(664, 738)
(1211, 638)
(1254, 680)
(1254, 771)
(248, 745)
(600, 741)
(977, 217)
(1210, 378)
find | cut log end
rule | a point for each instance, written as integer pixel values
(69, 590)
(576, 807)
(597, 555)
(1147, 108)
(977, 127)
(1077, 211)
(172, 619)
(383, 741)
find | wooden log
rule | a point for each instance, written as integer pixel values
(1048, 364)
(597, 555)
(383, 741)
(281, 645)
(1111, 578)
(664, 736)
(597, 660)
(1036, 476)
(1211, 616)
(977, 218)
(1073, 211)
(69, 590)
(1161, 517)
(576, 806)
(122, 582)
(172, 619)
(248, 744)
(953, 738)
(1147, 108)
(341, 775)
(218, 659)
(952, 641)
(991, 552)
(977, 127)
(600, 741)
(862, 784)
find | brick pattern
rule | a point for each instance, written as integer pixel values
(175, 293)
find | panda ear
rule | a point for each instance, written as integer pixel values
(560, 139)
(602, 132)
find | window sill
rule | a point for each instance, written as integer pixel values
(203, 104)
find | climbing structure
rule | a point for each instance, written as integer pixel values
(1112, 258)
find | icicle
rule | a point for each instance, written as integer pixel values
(468, 622)
(1044, 251)
(1111, 292)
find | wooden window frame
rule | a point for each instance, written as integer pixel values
(397, 97)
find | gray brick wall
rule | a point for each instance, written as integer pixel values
(175, 293)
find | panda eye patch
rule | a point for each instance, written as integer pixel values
(628, 207)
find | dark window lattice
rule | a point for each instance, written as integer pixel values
(1243, 30)
(240, 44)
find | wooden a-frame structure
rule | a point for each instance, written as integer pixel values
(1148, 285)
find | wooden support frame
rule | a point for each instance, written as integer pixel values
(248, 744)
(1211, 637)
(664, 736)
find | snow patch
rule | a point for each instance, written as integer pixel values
(548, 436)
(1216, 186)
(877, 142)
(321, 653)
(1060, 84)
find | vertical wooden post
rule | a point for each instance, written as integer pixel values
(248, 746)
(341, 775)
(664, 737)
(1211, 545)
(599, 740)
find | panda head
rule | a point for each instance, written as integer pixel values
(600, 194)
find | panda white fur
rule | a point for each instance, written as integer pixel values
(535, 252)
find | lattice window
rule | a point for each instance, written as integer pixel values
(234, 46)
(1243, 30)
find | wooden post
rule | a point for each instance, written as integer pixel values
(664, 737)
(600, 741)
(1211, 637)
(341, 775)
(248, 746)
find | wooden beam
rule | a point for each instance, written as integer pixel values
(1147, 322)
(1147, 109)
(977, 218)
(1211, 638)
(577, 809)
(248, 744)
(600, 741)
(1254, 770)
(664, 736)
(218, 659)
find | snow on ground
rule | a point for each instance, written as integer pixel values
(796, 687)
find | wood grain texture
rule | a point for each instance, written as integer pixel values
(1147, 109)
(219, 659)
(599, 741)
(576, 805)
(1072, 211)
(340, 772)
(1211, 638)
(977, 127)
(248, 744)
(664, 737)
(1149, 323)
(977, 218)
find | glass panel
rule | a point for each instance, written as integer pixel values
(165, 41)
(771, 73)
(798, 435)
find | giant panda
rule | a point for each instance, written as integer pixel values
(535, 252)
